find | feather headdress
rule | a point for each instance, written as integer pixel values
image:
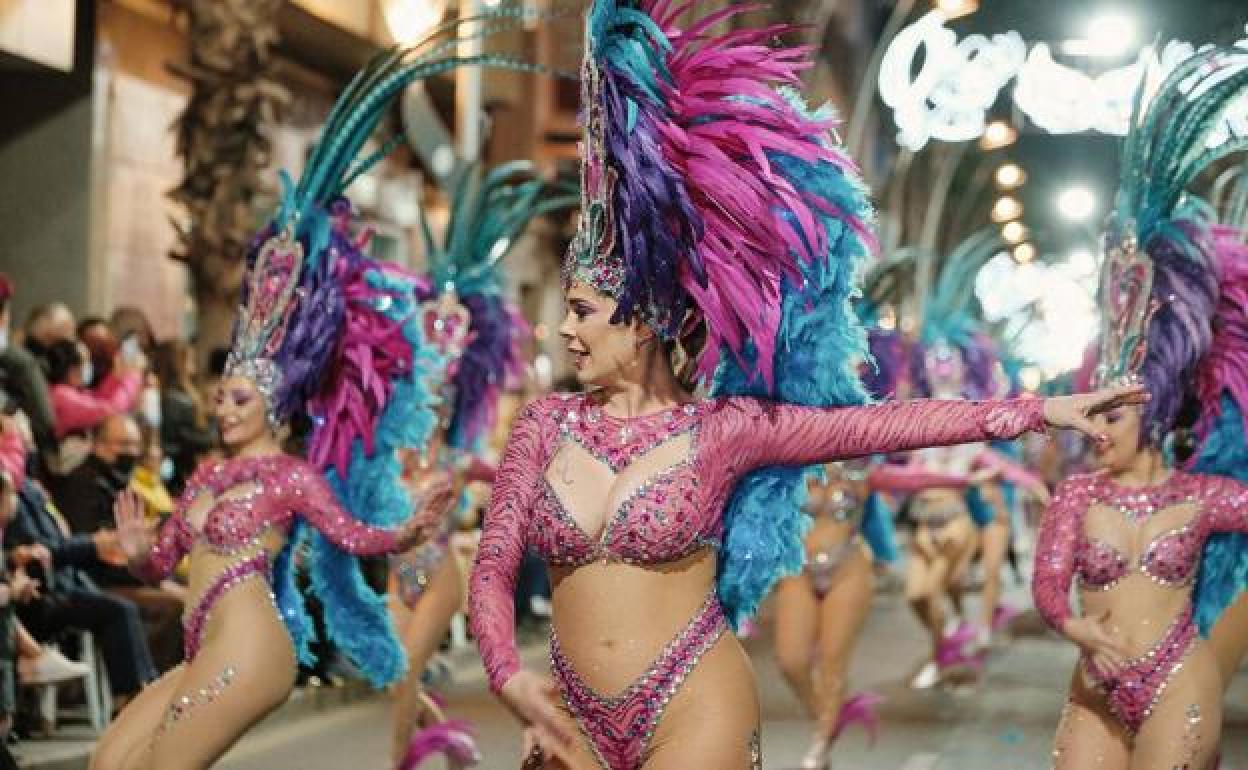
(690, 208)
(329, 333)
(465, 312)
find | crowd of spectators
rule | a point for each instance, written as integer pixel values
(87, 409)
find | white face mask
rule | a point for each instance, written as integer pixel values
(149, 406)
(88, 374)
(4, 338)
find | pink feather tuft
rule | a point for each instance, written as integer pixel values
(758, 226)
(1224, 368)
(860, 708)
(452, 738)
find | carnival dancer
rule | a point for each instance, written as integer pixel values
(714, 205)
(1147, 692)
(328, 336)
(479, 335)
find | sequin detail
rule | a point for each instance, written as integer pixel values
(620, 727)
(414, 568)
(821, 567)
(196, 620)
(1136, 689)
(182, 706)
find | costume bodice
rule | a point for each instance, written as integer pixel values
(249, 496)
(1170, 558)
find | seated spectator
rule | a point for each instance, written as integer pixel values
(185, 433)
(102, 348)
(148, 480)
(47, 324)
(74, 407)
(129, 321)
(86, 497)
(23, 379)
(12, 451)
(41, 545)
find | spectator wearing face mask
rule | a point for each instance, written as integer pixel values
(74, 407)
(86, 496)
(149, 477)
(23, 377)
(185, 432)
(47, 324)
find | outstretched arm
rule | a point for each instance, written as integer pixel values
(1226, 504)
(493, 581)
(891, 477)
(758, 433)
(310, 495)
(1055, 554)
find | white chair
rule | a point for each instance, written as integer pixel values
(97, 692)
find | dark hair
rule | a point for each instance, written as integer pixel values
(684, 352)
(61, 357)
(216, 361)
(88, 322)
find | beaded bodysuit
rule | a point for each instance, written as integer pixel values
(674, 513)
(1170, 559)
(250, 499)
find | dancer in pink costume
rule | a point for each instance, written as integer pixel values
(820, 613)
(478, 335)
(715, 207)
(1147, 691)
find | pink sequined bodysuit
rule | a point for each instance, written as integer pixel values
(676, 512)
(1064, 552)
(251, 497)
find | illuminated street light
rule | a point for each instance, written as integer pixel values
(410, 20)
(1014, 233)
(1010, 176)
(953, 9)
(1024, 253)
(1006, 210)
(998, 134)
(1076, 203)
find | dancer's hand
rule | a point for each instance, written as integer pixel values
(1101, 649)
(133, 535)
(433, 494)
(534, 699)
(1076, 412)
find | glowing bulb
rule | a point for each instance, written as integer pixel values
(1010, 176)
(953, 9)
(410, 20)
(1110, 34)
(1076, 203)
(998, 134)
(1024, 253)
(1006, 209)
(1014, 233)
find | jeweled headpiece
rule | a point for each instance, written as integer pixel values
(465, 313)
(1159, 281)
(693, 206)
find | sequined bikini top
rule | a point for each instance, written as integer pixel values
(1170, 559)
(652, 524)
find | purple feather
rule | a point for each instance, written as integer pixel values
(491, 357)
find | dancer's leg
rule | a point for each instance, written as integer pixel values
(994, 542)
(1088, 736)
(842, 616)
(1229, 638)
(926, 571)
(135, 726)
(1186, 724)
(423, 630)
(797, 618)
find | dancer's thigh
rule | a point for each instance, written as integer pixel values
(427, 622)
(994, 542)
(925, 571)
(844, 612)
(135, 727)
(1186, 723)
(1229, 638)
(796, 621)
(1088, 735)
(713, 719)
(255, 647)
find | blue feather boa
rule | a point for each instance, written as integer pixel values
(878, 529)
(1224, 565)
(355, 615)
(819, 346)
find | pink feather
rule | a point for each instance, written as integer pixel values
(1225, 367)
(860, 708)
(452, 738)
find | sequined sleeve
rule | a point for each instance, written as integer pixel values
(492, 584)
(1056, 542)
(756, 433)
(309, 494)
(891, 477)
(165, 554)
(1225, 503)
(1010, 470)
